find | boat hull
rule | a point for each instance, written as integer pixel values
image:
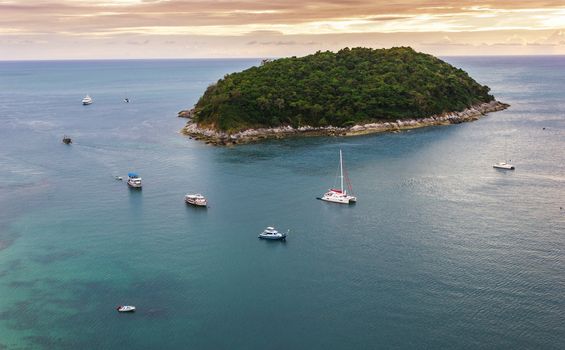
(339, 199)
(273, 237)
(196, 204)
(134, 185)
(503, 167)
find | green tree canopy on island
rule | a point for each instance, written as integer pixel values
(351, 86)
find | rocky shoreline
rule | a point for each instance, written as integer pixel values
(215, 137)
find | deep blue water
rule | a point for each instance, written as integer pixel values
(441, 250)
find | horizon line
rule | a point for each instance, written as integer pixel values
(248, 58)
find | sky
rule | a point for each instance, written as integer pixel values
(107, 29)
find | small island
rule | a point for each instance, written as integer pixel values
(351, 92)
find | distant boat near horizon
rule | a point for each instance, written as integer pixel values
(87, 100)
(340, 195)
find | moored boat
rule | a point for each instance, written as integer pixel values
(125, 308)
(503, 165)
(134, 180)
(196, 199)
(340, 195)
(87, 100)
(272, 234)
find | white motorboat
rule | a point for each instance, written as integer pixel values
(134, 180)
(271, 233)
(340, 195)
(503, 165)
(196, 199)
(87, 100)
(125, 308)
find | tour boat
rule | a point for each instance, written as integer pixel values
(503, 165)
(134, 180)
(340, 195)
(125, 308)
(87, 100)
(271, 233)
(196, 199)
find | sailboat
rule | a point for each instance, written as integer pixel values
(504, 165)
(340, 195)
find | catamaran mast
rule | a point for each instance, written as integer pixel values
(341, 170)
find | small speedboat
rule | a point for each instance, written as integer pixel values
(125, 308)
(503, 165)
(134, 180)
(196, 199)
(67, 140)
(271, 233)
(119, 178)
(87, 100)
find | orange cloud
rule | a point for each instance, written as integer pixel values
(466, 23)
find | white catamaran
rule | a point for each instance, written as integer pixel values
(340, 196)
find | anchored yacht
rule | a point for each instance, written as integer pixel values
(134, 180)
(87, 100)
(503, 165)
(271, 233)
(196, 199)
(340, 195)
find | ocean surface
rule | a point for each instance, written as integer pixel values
(441, 250)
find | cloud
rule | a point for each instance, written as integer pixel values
(250, 27)
(445, 41)
(264, 33)
(282, 43)
(515, 40)
(138, 42)
(289, 17)
(556, 38)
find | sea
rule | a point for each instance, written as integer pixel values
(441, 251)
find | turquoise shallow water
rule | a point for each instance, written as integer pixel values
(441, 251)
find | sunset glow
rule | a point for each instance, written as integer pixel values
(144, 28)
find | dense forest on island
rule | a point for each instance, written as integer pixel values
(340, 89)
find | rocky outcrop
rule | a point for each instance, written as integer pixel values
(187, 113)
(216, 137)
